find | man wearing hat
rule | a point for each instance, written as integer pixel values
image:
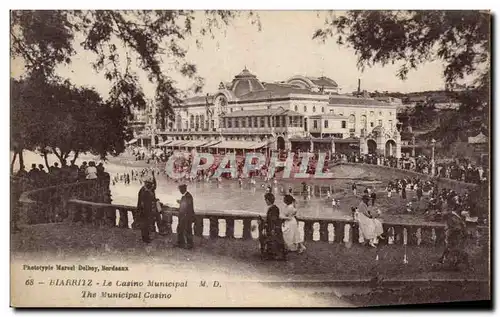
(186, 218)
(145, 207)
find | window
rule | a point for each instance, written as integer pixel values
(390, 125)
(363, 122)
(277, 121)
(296, 108)
(250, 122)
(268, 121)
(352, 118)
(326, 124)
(223, 123)
(262, 122)
(323, 109)
(255, 122)
(241, 108)
(229, 123)
(231, 109)
(371, 124)
(237, 123)
(290, 121)
(244, 123)
(344, 124)
(380, 122)
(301, 122)
(372, 113)
(380, 113)
(390, 113)
(314, 108)
(315, 124)
(305, 108)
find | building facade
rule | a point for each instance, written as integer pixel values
(283, 114)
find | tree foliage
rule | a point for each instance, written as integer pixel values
(49, 114)
(461, 40)
(58, 118)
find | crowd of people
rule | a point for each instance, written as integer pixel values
(459, 169)
(38, 176)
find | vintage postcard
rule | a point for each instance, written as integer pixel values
(249, 158)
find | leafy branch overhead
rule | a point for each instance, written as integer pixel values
(461, 40)
(120, 39)
(49, 114)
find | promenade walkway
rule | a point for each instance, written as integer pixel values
(320, 270)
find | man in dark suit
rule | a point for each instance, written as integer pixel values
(145, 208)
(186, 218)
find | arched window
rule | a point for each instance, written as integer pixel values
(323, 109)
(296, 108)
(305, 108)
(352, 121)
(314, 108)
(363, 122)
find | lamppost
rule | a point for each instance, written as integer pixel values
(433, 162)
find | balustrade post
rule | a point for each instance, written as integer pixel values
(440, 236)
(398, 234)
(385, 241)
(323, 231)
(355, 232)
(230, 228)
(214, 227)
(427, 236)
(247, 229)
(412, 235)
(339, 231)
(308, 230)
(198, 226)
(123, 223)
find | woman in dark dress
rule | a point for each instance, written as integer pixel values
(272, 245)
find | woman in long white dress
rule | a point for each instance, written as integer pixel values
(291, 233)
(371, 228)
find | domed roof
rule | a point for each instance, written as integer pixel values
(245, 73)
(245, 82)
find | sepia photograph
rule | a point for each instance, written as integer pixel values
(230, 158)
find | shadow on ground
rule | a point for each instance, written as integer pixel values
(240, 260)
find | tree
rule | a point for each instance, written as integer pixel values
(461, 40)
(46, 39)
(63, 119)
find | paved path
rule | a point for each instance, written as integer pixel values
(237, 263)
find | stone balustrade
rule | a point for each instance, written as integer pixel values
(49, 204)
(227, 224)
(89, 202)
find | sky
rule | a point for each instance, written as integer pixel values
(283, 48)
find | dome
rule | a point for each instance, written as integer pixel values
(245, 82)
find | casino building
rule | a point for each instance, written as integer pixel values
(301, 113)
